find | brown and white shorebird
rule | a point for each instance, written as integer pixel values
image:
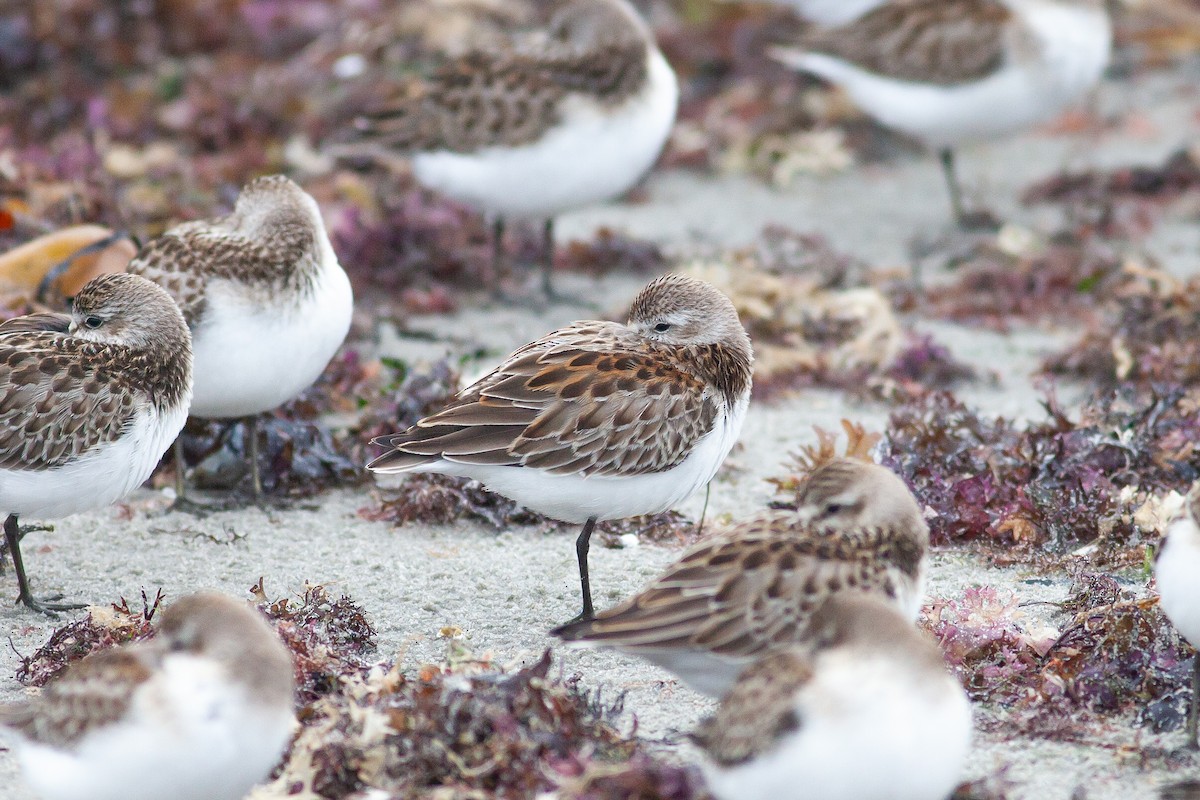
(949, 72)
(265, 298)
(1177, 573)
(88, 404)
(599, 420)
(203, 711)
(753, 588)
(863, 710)
(573, 112)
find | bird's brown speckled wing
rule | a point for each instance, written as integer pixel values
(56, 399)
(589, 399)
(944, 42)
(483, 99)
(758, 709)
(742, 593)
(91, 694)
(184, 259)
(39, 321)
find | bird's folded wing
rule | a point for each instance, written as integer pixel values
(93, 693)
(943, 42)
(736, 596)
(576, 402)
(56, 402)
(758, 709)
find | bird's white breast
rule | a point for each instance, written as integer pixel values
(594, 154)
(252, 356)
(191, 733)
(99, 477)
(1070, 48)
(867, 732)
(1177, 573)
(576, 498)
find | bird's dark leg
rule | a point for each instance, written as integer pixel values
(946, 156)
(180, 486)
(12, 535)
(582, 545)
(1194, 712)
(493, 279)
(252, 454)
(967, 220)
(548, 258)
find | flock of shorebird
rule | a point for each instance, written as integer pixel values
(800, 622)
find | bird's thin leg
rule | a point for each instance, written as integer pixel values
(704, 511)
(582, 545)
(180, 486)
(1194, 713)
(252, 451)
(12, 534)
(548, 258)
(493, 279)
(979, 219)
(946, 156)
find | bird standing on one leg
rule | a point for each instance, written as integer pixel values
(267, 302)
(88, 404)
(574, 112)
(754, 587)
(948, 72)
(599, 420)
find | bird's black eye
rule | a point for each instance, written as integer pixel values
(93, 321)
(662, 327)
(833, 508)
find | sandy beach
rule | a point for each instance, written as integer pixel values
(504, 590)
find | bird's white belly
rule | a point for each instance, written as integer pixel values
(250, 357)
(196, 737)
(576, 498)
(861, 737)
(1075, 45)
(100, 477)
(595, 154)
(1177, 573)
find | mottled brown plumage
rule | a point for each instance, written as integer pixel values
(754, 588)
(63, 392)
(268, 244)
(594, 398)
(761, 708)
(942, 42)
(512, 96)
(101, 689)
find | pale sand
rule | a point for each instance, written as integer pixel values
(505, 590)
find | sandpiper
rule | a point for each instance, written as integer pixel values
(203, 711)
(1177, 573)
(574, 112)
(949, 72)
(864, 710)
(267, 302)
(753, 588)
(88, 404)
(599, 420)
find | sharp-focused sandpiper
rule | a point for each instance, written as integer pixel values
(88, 403)
(267, 302)
(574, 112)
(754, 588)
(1177, 573)
(949, 72)
(864, 710)
(599, 420)
(203, 711)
